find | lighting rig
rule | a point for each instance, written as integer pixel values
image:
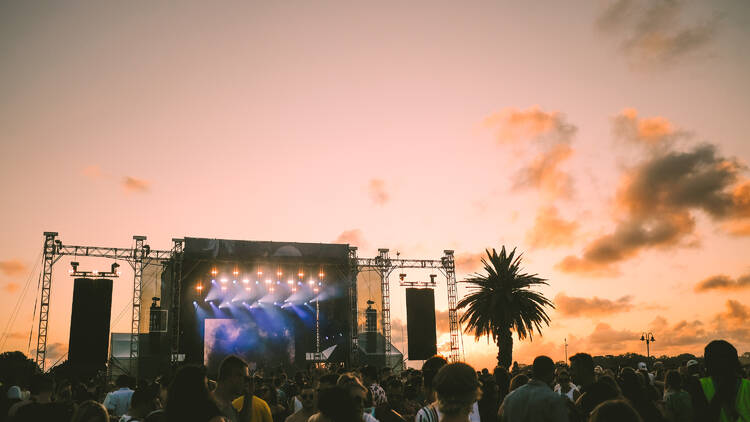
(114, 271)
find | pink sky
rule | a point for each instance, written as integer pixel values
(597, 137)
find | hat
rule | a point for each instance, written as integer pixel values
(598, 369)
(691, 362)
(15, 392)
(642, 366)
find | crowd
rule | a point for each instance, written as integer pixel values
(716, 390)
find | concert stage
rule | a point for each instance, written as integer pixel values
(269, 302)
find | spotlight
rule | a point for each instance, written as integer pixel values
(278, 282)
(246, 281)
(95, 272)
(234, 281)
(315, 290)
(195, 303)
(279, 273)
(247, 288)
(268, 281)
(223, 288)
(213, 280)
(301, 274)
(402, 276)
(294, 289)
(214, 271)
(271, 289)
(257, 282)
(236, 272)
(320, 284)
(321, 274)
(260, 273)
(289, 282)
(115, 266)
(199, 288)
(311, 282)
(224, 280)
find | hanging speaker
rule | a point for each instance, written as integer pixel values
(89, 322)
(420, 323)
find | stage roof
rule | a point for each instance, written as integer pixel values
(223, 249)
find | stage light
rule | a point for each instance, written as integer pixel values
(260, 273)
(289, 282)
(246, 281)
(301, 274)
(294, 289)
(271, 289)
(402, 276)
(195, 303)
(223, 288)
(115, 266)
(199, 288)
(95, 272)
(247, 288)
(257, 282)
(315, 290)
(224, 280)
(320, 283)
(278, 282)
(74, 265)
(299, 283)
(279, 273)
(234, 281)
(321, 274)
(214, 271)
(213, 280)
(236, 272)
(268, 281)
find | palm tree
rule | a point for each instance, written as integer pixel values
(501, 301)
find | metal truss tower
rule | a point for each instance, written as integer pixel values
(177, 257)
(384, 265)
(54, 249)
(354, 323)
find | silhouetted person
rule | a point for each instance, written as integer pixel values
(536, 401)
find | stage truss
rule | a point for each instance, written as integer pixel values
(139, 257)
(384, 265)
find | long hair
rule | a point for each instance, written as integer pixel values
(90, 411)
(187, 395)
(723, 366)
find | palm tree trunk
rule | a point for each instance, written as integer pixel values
(504, 348)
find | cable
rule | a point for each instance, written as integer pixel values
(33, 314)
(17, 307)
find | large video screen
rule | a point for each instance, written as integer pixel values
(244, 338)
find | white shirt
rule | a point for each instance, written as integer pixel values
(422, 416)
(119, 401)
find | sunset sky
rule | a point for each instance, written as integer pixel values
(607, 140)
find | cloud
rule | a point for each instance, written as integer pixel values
(678, 336)
(56, 351)
(377, 192)
(591, 307)
(732, 323)
(658, 199)
(12, 267)
(651, 32)
(353, 237)
(550, 230)
(93, 172)
(651, 131)
(513, 125)
(134, 185)
(468, 262)
(550, 135)
(544, 173)
(11, 287)
(442, 324)
(723, 282)
(606, 338)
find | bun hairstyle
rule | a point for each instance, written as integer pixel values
(457, 388)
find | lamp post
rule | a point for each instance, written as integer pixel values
(648, 338)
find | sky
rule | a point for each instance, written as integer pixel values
(606, 140)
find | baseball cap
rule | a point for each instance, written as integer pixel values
(642, 366)
(14, 392)
(691, 362)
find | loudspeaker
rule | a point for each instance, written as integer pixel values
(420, 323)
(89, 323)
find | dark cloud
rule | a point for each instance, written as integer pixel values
(723, 282)
(550, 230)
(353, 237)
(56, 350)
(658, 199)
(376, 190)
(732, 323)
(132, 184)
(680, 335)
(591, 307)
(12, 267)
(651, 32)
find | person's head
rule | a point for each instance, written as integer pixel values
(608, 387)
(268, 393)
(430, 369)
(369, 374)
(518, 381)
(563, 377)
(544, 369)
(90, 411)
(394, 390)
(327, 381)
(582, 368)
(234, 375)
(308, 396)
(337, 404)
(457, 388)
(614, 411)
(142, 402)
(356, 390)
(631, 384)
(163, 382)
(42, 384)
(721, 359)
(673, 380)
(123, 381)
(692, 367)
(502, 379)
(188, 389)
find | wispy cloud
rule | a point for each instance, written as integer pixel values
(93, 172)
(570, 306)
(135, 185)
(353, 237)
(656, 131)
(551, 230)
(377, 191)
(11, 287)
(652, 33)
(12, 267)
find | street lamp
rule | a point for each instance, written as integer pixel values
(648, 338)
